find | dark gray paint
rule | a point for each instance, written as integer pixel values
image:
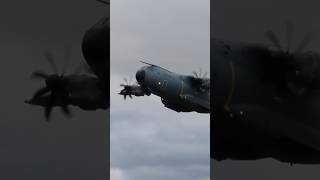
(246, 21)
(30, 148)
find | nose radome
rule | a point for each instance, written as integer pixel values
(140, 76)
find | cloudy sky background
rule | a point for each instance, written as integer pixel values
(149, 141)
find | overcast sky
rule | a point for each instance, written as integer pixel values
(149, 141)
(247, 21)
(31, 148)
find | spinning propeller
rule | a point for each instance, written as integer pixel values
(200, 75)
(127, 88)
(199, 80)
(299, 69)
(56, 85)
(272, 37)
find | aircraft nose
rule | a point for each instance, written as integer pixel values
(140, 76)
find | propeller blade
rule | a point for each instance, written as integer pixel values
(127, 88)
(271, 36)
(41, 92)
(66, 110)
(66, 57)
(304, 43)
(47, 112)
(195, 74)
(49, 57)
(126, 81)
(39, 75)
(205, 75)
(289, 35)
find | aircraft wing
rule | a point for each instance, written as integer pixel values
(203, 105)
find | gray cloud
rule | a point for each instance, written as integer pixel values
(160, 32)
(149, 141)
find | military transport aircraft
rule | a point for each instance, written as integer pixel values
(266, 101)
(87, 91)
(181, 93)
